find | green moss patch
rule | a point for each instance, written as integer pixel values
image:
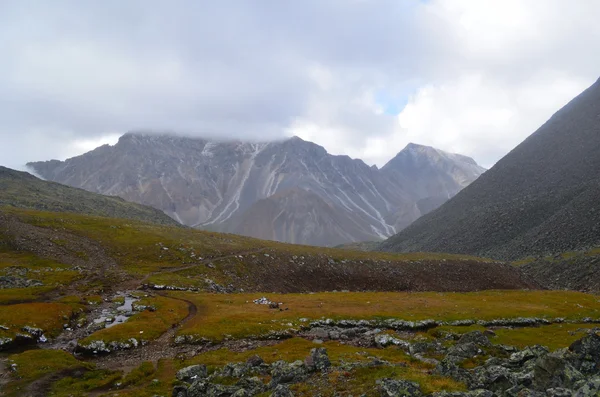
(236, 316)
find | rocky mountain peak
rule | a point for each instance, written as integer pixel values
(230, 185)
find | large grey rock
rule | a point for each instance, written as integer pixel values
(494, 378)
(318, 360)
(180, 391)
(237, 370)
(192, 373)
(464, 350)
(475, 337)
(447, 367)
(282, 391)
(252, 385)
(399, 388)
(472, 393)
(553, 370)
(587, 352)
(529, 353)
(255, 361)
(284, 372)
(590, 388)
(559, 392)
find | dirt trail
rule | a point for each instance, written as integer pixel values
(163, 347)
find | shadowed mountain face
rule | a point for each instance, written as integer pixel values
(23, 190)
(290, 190)
(542, 198)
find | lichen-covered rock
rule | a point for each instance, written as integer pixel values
(587, 351)
(425, 347)
(237, 370)
(202, 388)
(252, 385)
(282, 391)
(473, 393)
(383, 340)
(95, 347)
(559, 392)
(192, 373)
(180, 391)
(553, 370)
(494, 378)
(198, 388)
(283, 372)
(590, 388)
(475, 337)
(255, 361)
(464, 350)
(241, 393)
(216, 390)
(447, 367)
(318, 360)
(529, 353)
(5, 343)
(520, 391)
(398, 388)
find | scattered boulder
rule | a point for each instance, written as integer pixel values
(284, 372)
(192, 373)
(238, 370)
(447, 367)
(495, 378)
(559, 392)
(553, 370)
(252, 385)
(475, 337)
(399, 388)
(255, 361)
(318, 360)
(589, 388)
(282, 391)
(587, 352)
(529, 353)
(464, 350)
(180, 391)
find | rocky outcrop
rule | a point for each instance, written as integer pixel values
(506, 371)
(534, 371)
(282, 374)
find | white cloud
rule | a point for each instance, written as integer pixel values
(476, 76)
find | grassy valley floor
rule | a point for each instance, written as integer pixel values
(104, 307)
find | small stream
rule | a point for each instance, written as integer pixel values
(123, 312)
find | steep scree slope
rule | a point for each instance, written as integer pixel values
(541, 198)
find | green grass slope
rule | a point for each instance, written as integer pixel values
(23, 190)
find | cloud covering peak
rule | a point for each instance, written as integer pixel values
(360, 77)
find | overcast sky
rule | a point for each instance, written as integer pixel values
(360, 77)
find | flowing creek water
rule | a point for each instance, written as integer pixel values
(123, 312)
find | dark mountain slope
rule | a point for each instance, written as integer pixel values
(23, 190)
(541, 198)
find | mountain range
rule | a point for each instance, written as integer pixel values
(541, 199)
(290, 190)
